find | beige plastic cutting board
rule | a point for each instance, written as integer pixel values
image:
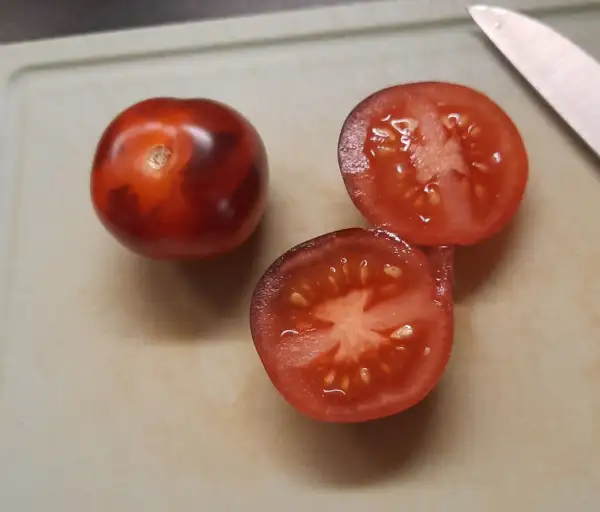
(128, 385)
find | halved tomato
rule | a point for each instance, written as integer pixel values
(437, 163)
(354, 325)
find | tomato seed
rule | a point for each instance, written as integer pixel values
(385, 367)
(406, 331)
(345, 269)
(474, 130)
(345, 383)
(334, 285)
(385, 150)
(329, 378)
(447, 123)
(462, 120)
(479, 191)
(392, 271)
(481, 166)
(384, 133)
(364, 272)
(298, 299)
(406, 125)
(434, 197)
(457, 120)
(365, 375)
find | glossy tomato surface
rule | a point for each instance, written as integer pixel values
(354, 325)
(180, 178)
(437, 163)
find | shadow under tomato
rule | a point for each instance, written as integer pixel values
(355, 454)
(186, 301)
(475, 265)
(223, 281)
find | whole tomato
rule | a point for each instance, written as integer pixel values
(180, 178)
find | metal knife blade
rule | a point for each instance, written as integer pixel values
(563, 74)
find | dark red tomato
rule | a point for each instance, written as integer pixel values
(180, 178)
(437, 163)
(354, 325)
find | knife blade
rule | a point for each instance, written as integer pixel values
(563, 74)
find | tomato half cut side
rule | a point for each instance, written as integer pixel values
(437, 163)
(353, 325)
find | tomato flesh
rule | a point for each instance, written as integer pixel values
(354, 325)
(437, 163)
(180, 178)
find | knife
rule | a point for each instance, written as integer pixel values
(562, 73)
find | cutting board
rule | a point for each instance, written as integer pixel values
(132, 385)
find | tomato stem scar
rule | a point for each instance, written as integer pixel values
(158, 156)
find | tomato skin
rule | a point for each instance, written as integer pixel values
(437, 263)
(374, 181)
(180, 178)
(441, 262)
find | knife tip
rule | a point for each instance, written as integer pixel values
(476, 9)
(486, 14)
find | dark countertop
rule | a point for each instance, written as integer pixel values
(34, 19)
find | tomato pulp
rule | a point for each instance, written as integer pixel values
(180, 178)
(436, 163)
(354, 325)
